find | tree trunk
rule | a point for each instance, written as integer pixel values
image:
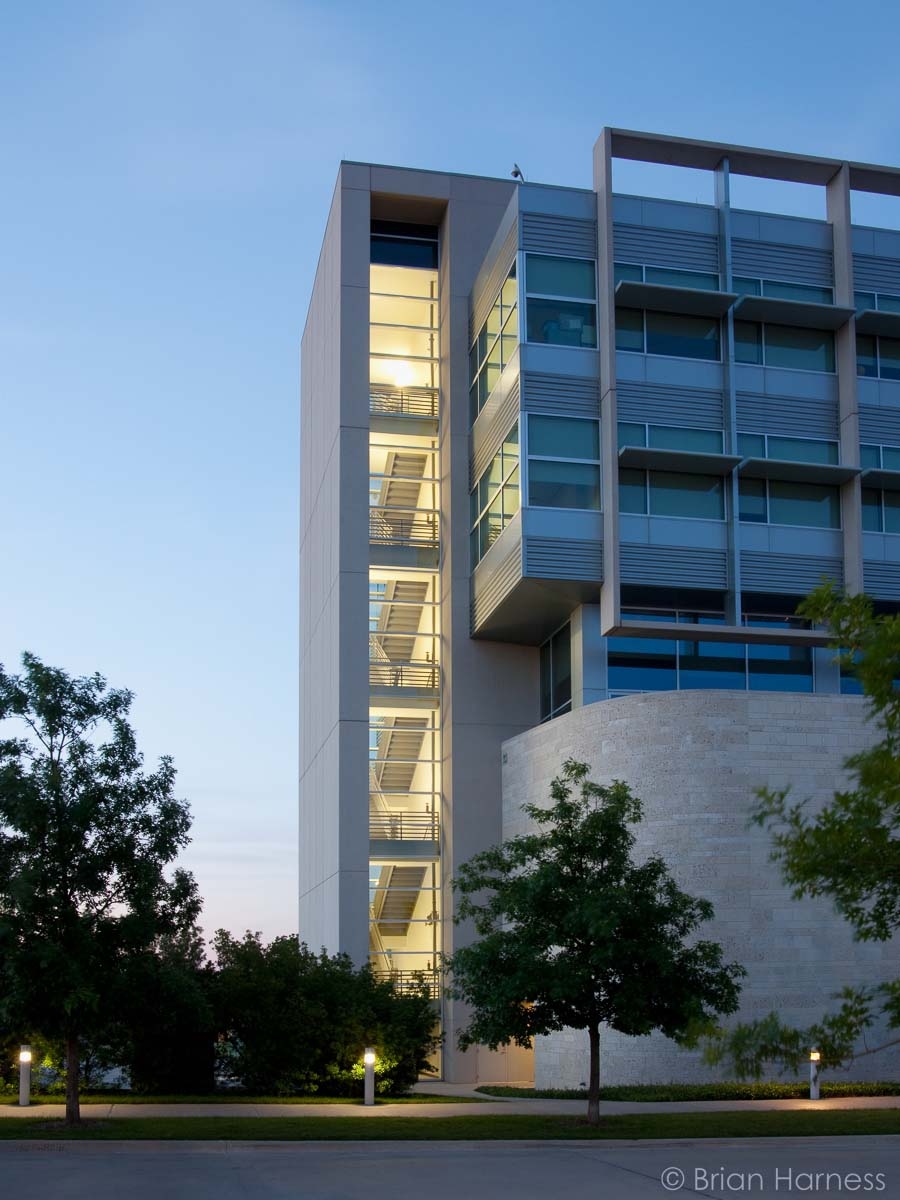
(73, 1110)
(594, 1076)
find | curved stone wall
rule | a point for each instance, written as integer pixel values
(695, 758)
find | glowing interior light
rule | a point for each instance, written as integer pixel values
(814, 1056)
(403, 373)
(369, 1058)
(24, 1056)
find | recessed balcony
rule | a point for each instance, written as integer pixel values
(394, 833)
(416, 683)
(409, 410)
(404, 537)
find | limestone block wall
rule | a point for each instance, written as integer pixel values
(695, 758)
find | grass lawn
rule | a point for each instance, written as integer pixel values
(226, 1098)
(830, 1123)
(662, 1092)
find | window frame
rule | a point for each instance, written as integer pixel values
(646, 472)
(566, 706)
(762, 280)
(526, 295)
(876, 340)
(654, 353)
(648, 425)
(643, 267)
(500, 490)
(476, 405)
(881, 531)
(762, 326)
(781, 524)
(680, 616)
(765, 436)
(527, 457)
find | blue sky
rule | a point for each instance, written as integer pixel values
(167, 170)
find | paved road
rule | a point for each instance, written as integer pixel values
(443, 1171)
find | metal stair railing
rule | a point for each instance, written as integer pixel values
(398, 826)
(423, 675)
(403, 402)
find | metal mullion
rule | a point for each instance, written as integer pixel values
(405, 296)
(383, 356)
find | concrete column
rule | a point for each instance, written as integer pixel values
(610, 601)
(837, 194)
(588, 656)
(723, 204)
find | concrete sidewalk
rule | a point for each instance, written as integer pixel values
(498, 1107)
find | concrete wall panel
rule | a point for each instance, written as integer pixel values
(695, 758)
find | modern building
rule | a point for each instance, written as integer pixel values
(569, 461)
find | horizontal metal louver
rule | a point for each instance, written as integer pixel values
(563, 558)
(660, 404)
(794, 574)
(672, 566)
(490, 430)
(666, 247)
(492, 583)
(775, 260)
(789, 415)
(489, 288)
(542, 233)
(560, 394)
(876, 274)
(882, 580)
(879, 424)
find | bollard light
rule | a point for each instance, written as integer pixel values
(369, 1087)
(814, 1060)
(24, 1076)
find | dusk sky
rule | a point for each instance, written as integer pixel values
(166, 175)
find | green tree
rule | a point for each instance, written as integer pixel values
(573, 933)
(85, 837)
(165, 1035)
(847, 851)
(294, 1022)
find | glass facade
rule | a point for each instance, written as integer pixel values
(556, 674)
(666, 276)
(495, 499)
(794, 449)
(563, 462)
(650, 664)
(671, 334)
(561, 300)
(783, 502)
(780, 289)
(494, 345)
(670, 437)
(404, 610)
(788, 346)
(671, 494)
(878, 357)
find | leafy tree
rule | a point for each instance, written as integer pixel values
(295, 1022)
(85, 836)
(165, 1037)
(847, 851)
(573, 933)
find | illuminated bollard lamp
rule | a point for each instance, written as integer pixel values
(369, 1086)
(24, 1076)
(814, 1059)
